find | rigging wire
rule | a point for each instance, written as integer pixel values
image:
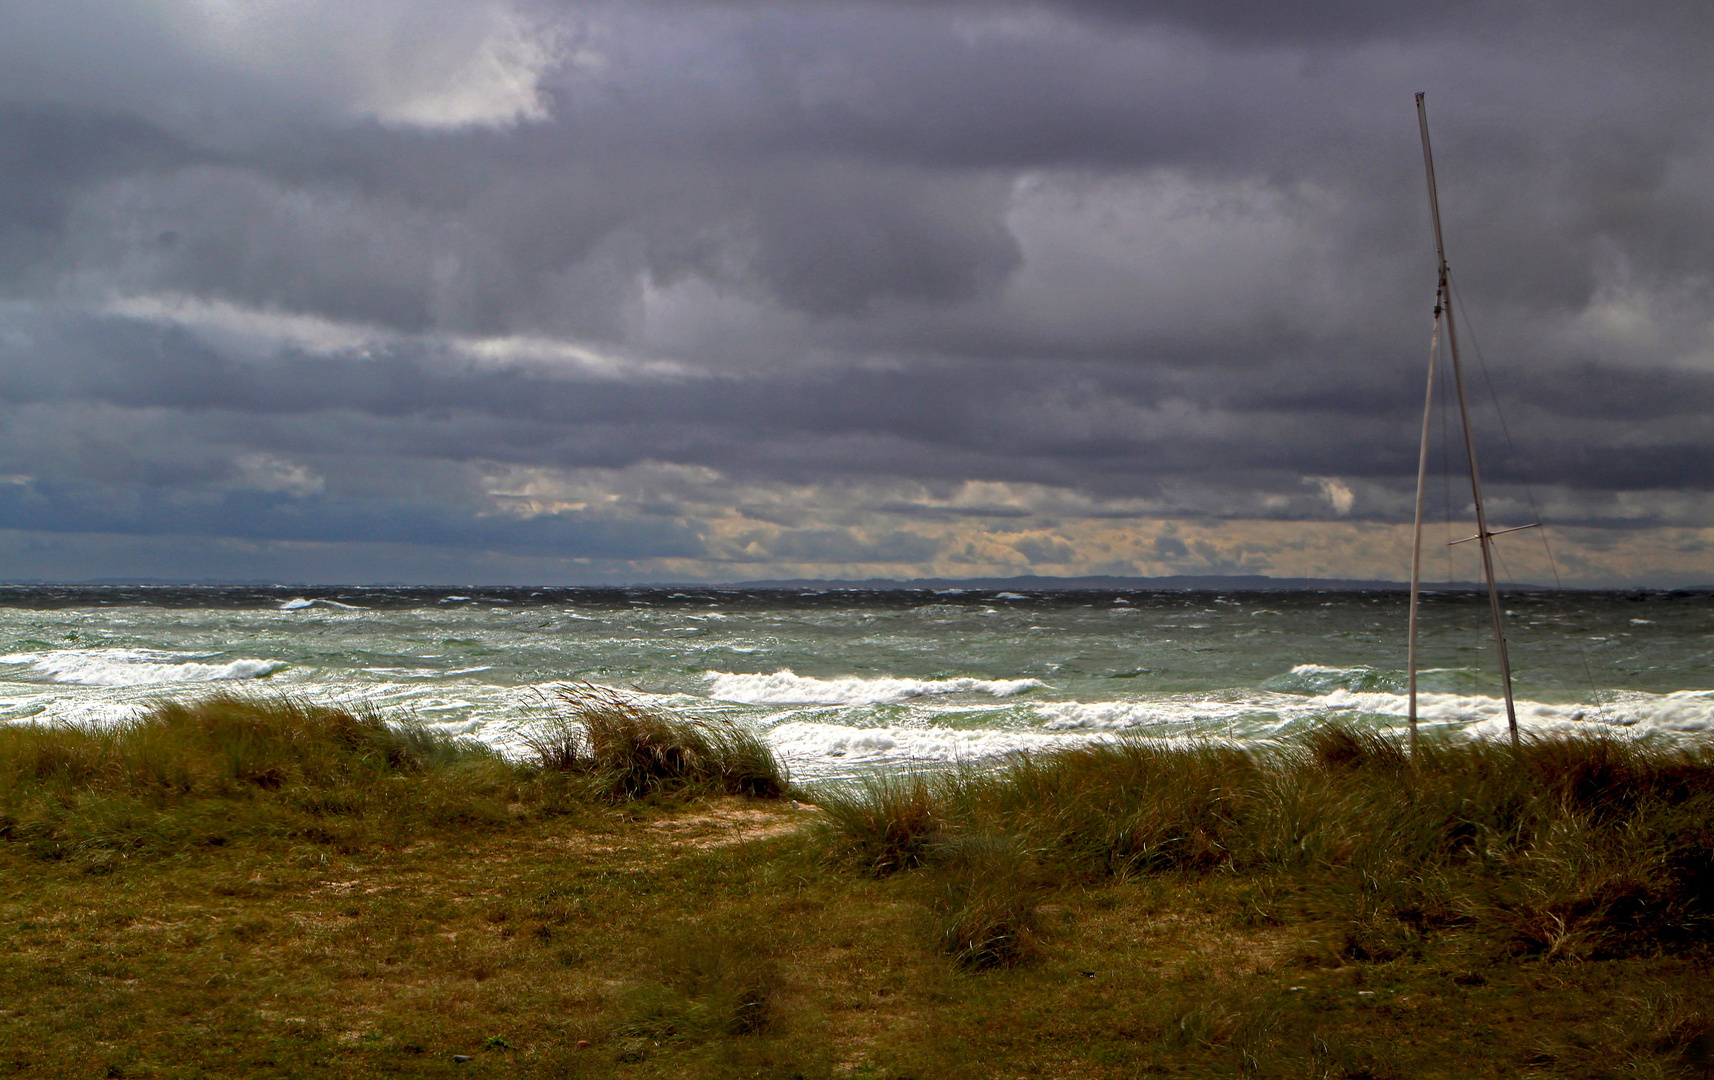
(1446, 474)
(1493, 396)
(1446, 469)
(1463, 676)
(1454, 295)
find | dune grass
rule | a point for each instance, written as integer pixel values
(1582, 847)
(629, 750)
(222, 745)
(260, 888)
(203, 773)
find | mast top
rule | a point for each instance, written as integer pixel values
(1433, 191)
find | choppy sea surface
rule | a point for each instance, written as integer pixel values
(845, 681)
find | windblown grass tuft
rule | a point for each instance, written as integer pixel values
(632, 750)
(982, 895)
(883, 823)
(1338, 747)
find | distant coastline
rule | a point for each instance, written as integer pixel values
(1103, 582)
(1025, 583)
(1033, 583)
(1180, 583)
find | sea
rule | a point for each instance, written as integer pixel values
(841, 682)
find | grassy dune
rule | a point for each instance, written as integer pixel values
(244, 888)
(182, 776)
(1575, 848)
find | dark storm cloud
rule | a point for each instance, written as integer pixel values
(1344, 21)
(270, 516)
(48, 156)
(1062, 424)
(1166, 252)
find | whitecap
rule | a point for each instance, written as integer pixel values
(298, 603)
(1262, 712)
(1258, 715)
(1680, 711)
(814, 746)
(137, 667)
(785, 687)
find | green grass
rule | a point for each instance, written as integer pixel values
(1327, 907)
(1578, 847)
(206, 773)
(629, 750)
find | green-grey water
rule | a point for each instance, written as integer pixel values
(841, 681)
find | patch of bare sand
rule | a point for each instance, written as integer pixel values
(724, 822)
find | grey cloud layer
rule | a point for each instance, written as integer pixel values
(1161, 252)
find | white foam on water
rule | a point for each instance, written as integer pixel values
(96, 713)
(1175, 710)
(1323, 669)
(817, 747)
(785, 687)
(136, 667)
(1258, 714)
(1682, 710)
(298, 603)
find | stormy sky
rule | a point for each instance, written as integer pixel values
(517, 291)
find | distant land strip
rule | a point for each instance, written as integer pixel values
(1112, 583)
(1023, 583)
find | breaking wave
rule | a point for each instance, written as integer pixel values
(784, 687)
(136, 667)
(1479, 715)
(298, 603)
(818, 747)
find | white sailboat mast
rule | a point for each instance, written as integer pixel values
(1443, 306)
